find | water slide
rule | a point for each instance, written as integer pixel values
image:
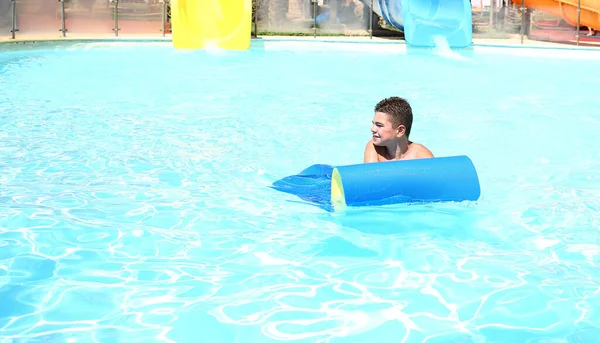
(226, 24)
(202, 24)
(567, 9)
(424, 22)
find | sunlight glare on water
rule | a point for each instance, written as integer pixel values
(136, 204)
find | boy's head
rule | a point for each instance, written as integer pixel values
(393, 119)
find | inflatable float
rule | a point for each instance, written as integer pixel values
(439, 179)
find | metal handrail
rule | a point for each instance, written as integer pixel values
(63, 28)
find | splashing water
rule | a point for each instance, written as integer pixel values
(212, 47)
(442, 48)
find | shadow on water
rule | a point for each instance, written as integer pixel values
(451, 220)
(408, 232)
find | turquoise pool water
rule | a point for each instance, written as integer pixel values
(136, 208)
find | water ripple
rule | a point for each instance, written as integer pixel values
(138, 209)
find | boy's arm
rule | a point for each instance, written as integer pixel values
(370, 154)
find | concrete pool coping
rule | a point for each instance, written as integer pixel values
(513, 42)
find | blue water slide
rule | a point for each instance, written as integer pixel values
(424, 22)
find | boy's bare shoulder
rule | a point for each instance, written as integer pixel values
(420, 151)
(371, 154)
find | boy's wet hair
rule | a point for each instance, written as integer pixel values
(400, 111)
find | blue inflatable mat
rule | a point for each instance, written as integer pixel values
(313, 184)
(370, 184)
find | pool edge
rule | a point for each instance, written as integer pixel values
(398, 43)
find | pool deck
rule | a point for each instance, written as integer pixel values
(513, 41)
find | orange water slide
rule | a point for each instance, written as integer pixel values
(567, 9)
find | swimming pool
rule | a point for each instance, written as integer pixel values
(136, 204)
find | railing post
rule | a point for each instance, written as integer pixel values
(116, 29)
(522, 19)
(578, 19)
(492, 9)
(14, 29)
(314, 2)
(255, 24)
(164, 16)
(371, 21)
(255, 8)
(63, 28)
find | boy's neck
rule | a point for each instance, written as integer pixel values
(397, 151)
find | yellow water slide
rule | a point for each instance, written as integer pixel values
(567, 9)
(201, 24)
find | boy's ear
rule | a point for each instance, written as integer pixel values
(400, 130)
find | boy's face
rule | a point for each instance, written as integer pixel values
(383, 130)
